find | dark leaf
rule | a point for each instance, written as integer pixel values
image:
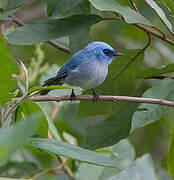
(49, 29)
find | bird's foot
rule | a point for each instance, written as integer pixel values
(96, 97)
(72, 96)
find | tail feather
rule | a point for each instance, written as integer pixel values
(49, 82)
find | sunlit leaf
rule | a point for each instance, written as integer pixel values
(160, 13)
(129, 15)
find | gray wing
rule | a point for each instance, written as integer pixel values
(70, 65)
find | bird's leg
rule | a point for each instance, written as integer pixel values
(72, 96)
(95, 96)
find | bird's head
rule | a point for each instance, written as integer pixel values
(103, 51)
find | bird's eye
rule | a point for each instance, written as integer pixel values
(106, 51)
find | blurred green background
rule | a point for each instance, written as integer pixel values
(154, 138)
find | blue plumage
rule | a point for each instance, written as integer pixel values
(87, 68)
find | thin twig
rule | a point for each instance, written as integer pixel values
(136, 9)
(52, 170)
(110, 18)
(104, 98)
(160, 36)
(129, 63)
(54, 113)
(164, 36)
(134, 6)
(59, 46)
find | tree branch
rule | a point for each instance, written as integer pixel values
(161, 36)
(52, 170)
(104, 98)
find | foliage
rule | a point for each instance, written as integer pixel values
(86, 140)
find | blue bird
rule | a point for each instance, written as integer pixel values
(87, 68)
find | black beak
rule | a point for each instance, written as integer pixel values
(118, 54)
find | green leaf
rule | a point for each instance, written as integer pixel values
(72, 151)
(4, 15)
(52, 87)
(55, 7)
(129, 15)
(124, 85)
(52, 129)
(160, 13)
(17, 169)
(152, 112)
(79, 40)
(111, 130)
(7, 68)
(169, 4)
(122, 152)
(88, 171)
(156, 71)
(170, 159)
(15, 137)
(29, 107)
(49, 29)
(142, 168)
(15, 3)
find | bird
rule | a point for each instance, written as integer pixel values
(86, 69)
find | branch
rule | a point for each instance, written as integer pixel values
(134, 6)
(104, 98)
(161, 36)
(52, 170)
(59, 46)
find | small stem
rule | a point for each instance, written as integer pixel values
(149, 31)
(134, 6)
(59, 46)
(15, 105)
(52, 170)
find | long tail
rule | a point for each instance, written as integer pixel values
(49, 82)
